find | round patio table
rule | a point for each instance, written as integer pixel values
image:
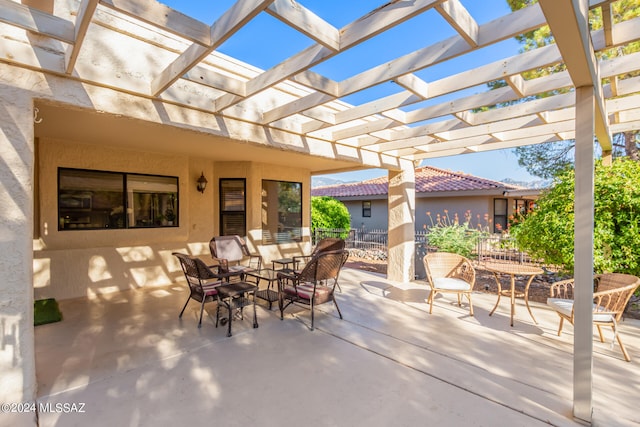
(513, 270)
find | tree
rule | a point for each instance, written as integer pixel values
(547, 232)
(546, 160)
(327, 212)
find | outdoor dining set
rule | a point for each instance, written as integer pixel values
(234, 278)
(233, 281)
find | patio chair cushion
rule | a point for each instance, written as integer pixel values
(305, 290)
(565, 306)
(451, 284)
(210, 289)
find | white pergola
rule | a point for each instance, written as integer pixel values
(175, 62)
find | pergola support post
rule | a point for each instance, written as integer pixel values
(583, 253)
(402, 233)
(17, 353)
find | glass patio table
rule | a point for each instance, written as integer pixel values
(513, 270)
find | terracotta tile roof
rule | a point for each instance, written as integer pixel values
(428, 179)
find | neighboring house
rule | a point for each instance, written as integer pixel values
(438, 192)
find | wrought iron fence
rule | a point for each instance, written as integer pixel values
(493, 247)
(497, 247)
(355, 238)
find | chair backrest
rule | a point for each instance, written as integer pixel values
(232, 248)
(328, 244)
(323, 267)
(195, 270)
(445, 264)
(613, 291)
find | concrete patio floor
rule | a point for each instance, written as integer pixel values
(129, 361)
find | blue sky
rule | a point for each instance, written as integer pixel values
(265, 42)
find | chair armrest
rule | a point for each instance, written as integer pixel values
(613, 301)
(286, 277)
(255, 259)
(467, 273)
(221, 263)
(562, 289)
(297, 259)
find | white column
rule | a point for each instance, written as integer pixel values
(402, 201)
(17, 357)
(583, 253)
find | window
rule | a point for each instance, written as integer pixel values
(523, 207)
(232, 207)
(94, 200)
(366, 209)
(281, 212)
(499, 215)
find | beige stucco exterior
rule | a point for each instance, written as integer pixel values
(17, 361)
(49, 122)
(74, 263)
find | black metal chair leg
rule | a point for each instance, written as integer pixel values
(230, 309)
(312, 312)
(201, 310)
(337, 308)
(185, 306)
(255, 314)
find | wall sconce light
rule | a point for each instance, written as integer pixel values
(202, 183)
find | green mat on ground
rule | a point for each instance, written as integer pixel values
(46, 311)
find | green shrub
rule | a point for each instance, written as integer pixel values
(449, 235)
(548, 232)
(327, 212)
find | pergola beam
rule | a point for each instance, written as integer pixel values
(85, 13)
(380, 20)
(414, 84)
(228, 24)
(39, 22)
(163, 17)
(460, 19)
(571, 33)
(484, 74)
(302, 19)
(489, 33)
(525, 19)
(215, 80)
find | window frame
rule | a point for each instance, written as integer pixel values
(500, 219)
(366, 210)
(224, 212)
(294, 234)
(122, 213)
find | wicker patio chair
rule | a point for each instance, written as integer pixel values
(611, 294)
(202, 282)
(324, 245)
(314, 285)
(449, 273)
(232, 255)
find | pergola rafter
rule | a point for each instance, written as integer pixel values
(306, 102)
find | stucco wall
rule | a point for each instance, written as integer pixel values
(477, 205)
(74, 263)
(17, 362)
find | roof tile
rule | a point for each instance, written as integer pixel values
(428, 179)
